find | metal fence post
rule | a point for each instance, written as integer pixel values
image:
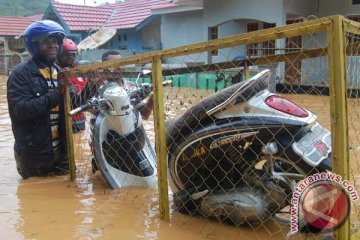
(160, 138)
(69, 134)
(338, 107)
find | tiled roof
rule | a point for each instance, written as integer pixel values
(79, 17)
(14, 26)
(122, 15)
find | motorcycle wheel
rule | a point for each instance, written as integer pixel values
(287, 180)
(288, 173)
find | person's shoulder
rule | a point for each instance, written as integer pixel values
(23, 68)
(18, 69)
(24, 65)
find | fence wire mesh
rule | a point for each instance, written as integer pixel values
(230, 142)
(352, 40)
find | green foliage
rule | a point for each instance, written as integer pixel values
(22, 7)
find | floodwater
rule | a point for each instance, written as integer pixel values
(56, 208)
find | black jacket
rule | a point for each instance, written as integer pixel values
(30, 102)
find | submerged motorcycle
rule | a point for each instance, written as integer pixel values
(235, 156)
(122, 150)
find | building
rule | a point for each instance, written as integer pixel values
(147, 25)
(11, 43)
(188, 21)
(137, 29)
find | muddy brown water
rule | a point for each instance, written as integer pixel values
(56, 208)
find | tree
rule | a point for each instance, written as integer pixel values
(23, 7)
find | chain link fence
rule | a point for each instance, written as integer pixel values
(232, 150)
(353, 105)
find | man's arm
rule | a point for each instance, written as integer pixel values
(145, 108)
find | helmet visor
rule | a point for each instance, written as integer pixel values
(58, 35)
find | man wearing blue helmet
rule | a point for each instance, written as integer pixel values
(35, 99)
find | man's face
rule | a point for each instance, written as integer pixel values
(67, 58)
(48, 49)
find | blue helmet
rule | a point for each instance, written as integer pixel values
(38, 31)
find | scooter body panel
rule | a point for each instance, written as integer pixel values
(256, 107)
(124, 160)
(219, 154)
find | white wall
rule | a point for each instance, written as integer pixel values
(181, 28)
(150, 35)
(332, 7)
(300, 8)
(267, 11)
(320, 8)
(231, 16)
(228, 29)
(178, 29)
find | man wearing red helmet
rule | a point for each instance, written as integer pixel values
(80, 90)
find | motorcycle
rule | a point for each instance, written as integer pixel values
(235, 156)
(121, 149)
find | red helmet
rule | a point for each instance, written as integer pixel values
(69, 45)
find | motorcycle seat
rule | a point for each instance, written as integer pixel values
(195, 116)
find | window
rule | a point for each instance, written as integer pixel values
(354, 18)
(213, 34)
(353, 37)
(269, 46)
(252, 49)
(264, 48)
(354, 2)
(124, 37)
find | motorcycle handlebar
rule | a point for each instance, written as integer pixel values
(136, 95)
(82, 108)
(144, 90)
(167, 83)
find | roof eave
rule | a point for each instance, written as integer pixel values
(50, 9)
(146, 22)
(15, 35)
(176, 9)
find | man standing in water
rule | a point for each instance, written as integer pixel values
(35, 99)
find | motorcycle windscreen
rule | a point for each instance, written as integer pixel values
(126, 152)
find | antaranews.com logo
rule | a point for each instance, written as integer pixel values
(321, 202)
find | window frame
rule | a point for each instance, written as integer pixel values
(213, 33)
(261, 48)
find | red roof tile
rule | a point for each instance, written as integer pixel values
(122, 15)
(14, 26)
(79, 17)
